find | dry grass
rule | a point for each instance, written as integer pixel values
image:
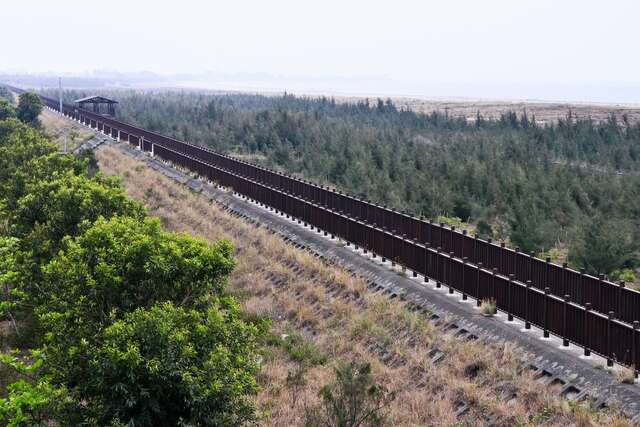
(488, 307)
(58, 128)
(625, 375)
(545, 112)
(323, 309)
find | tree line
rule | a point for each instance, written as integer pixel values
(572, 184)
(115, 320)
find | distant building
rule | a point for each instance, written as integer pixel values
(96, 101)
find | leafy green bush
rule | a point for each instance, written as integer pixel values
(625, 275)
(121, 264)
(62, 207)
(31, 400)
(168, 366)
(129, 325)
(7, 111)
(29, 108)
(605, 245)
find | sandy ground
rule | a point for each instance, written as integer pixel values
(544, 111)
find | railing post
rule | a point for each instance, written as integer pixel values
(492, 290)
(580, 295)
(439, 273)
(547, 268)
(464, 283)
(509, 305)
(449, 273)
(619, 305)
(545, 317)
(364, 248)
(373, 253)
(565, 306)
(475, 248)
(415, 243)
(426, 262)
(609, 320)
(600, 288)
(585, 330)
(478, 299)
(634, 348)
(527, 323)
(393, 260)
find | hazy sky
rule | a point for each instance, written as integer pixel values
(491, 44)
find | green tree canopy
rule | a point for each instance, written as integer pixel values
(6, 94)
(44, 168)
(123, 263)
(129, 323)
(168, 366)
(29, 107)
(19, 144)
(7, 111)
(61, 207)
(605, 245)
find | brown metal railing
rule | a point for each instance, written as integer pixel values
(576, 307)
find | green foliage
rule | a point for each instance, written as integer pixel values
(5, 94)
(168, 366)
(605, 245)
(553, 253)
(12, 296)
(128, 322)
(31, 400)
(530, 230)
(450, 221)
(119, 265)
(626, 275)
(63, 206)
(40, 169)
(19, 145)
(352, 399)
(484, 230)
(29, 108)
(303, 351)
(7, 111)
(542, 182)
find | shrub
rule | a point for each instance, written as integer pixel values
(168, 366)
(625, 275)
(6, 110)
(352, 399)
(488, 307)
(625, 375)
(119, 265)
(29, 108)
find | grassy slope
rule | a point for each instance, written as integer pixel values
(56, 128)
(339, 318)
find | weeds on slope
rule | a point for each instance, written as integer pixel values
(321, 315)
